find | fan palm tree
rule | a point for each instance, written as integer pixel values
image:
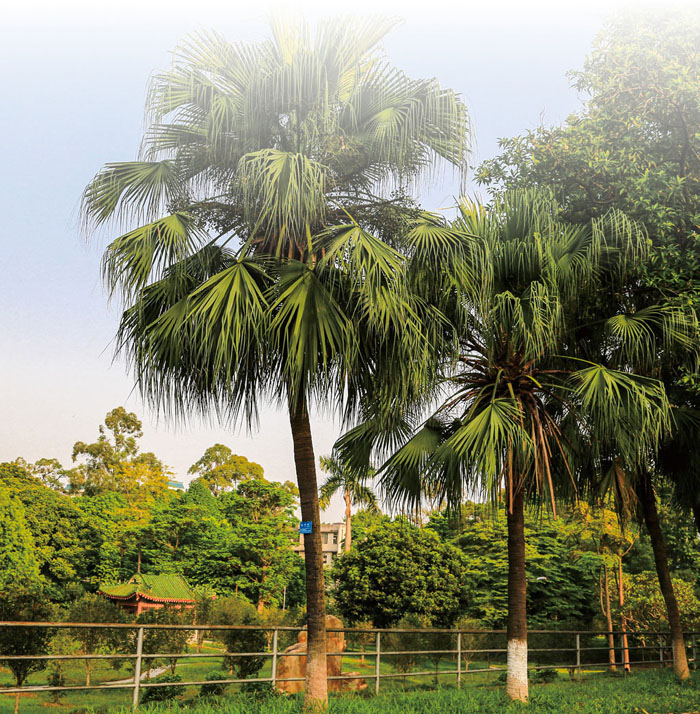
(518, 407)
(352, 484)
(262, 267)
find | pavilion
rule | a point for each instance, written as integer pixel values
(149, 592)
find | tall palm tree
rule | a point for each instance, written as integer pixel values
(352, 484)
(517, 406)
(263, 266)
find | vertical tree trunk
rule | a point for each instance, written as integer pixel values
(316, 695)
(651, 518)
(16, 702)
(348, 521)
(516, 682)
(623, 620)
(608, 620)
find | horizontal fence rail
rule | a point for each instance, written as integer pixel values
(625, 643)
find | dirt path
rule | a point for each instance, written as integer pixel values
(154, 673)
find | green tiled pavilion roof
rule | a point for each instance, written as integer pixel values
(159, 588)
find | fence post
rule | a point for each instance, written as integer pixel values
(273, 677)
(661, 650)
(459, 659)
(578, 654)
(377, 659)
(137, 669)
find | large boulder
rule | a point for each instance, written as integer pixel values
(294, 664)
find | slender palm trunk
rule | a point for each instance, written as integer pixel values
(516, 681)
(316, 696)
(625, 655)
(651, 518)
(348, 520)
(607, 610)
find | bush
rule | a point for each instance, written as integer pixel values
(163, 694)
(545, 675)
(259, 690)
(215, 688)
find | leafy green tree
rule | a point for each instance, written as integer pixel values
(94, 608)
(18, 562)
(405, 642)
(518, 393)
(236, 611)
(397, 570)
(66, 542)
(220, 468)
(561, 584)
(352, 484)
(115, 464)
(24, 602)
(645, 609)
(282, 146)
(165, 641)
(49, 471)
(262, 518)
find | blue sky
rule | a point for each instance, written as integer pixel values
(74, 77)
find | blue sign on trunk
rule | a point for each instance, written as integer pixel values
(305, 527)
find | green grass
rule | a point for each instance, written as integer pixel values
(650, 692)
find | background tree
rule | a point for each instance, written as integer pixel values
(17, 551)
(24, 603)
(352, 484)
(261, 514)
(220, 468)
(94, 608)
(66, 543)
(397, 570)
(116, 464)
(235, 611)
(49, 471)
(165, 641)
(284, 146)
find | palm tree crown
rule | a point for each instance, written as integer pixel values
(352, 484)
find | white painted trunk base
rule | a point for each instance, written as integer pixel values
(516, 681)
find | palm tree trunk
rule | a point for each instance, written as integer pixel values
(516, 681)
(608, 620)
(316, 696)
(348, 521)
(651, 518)
(625, 654)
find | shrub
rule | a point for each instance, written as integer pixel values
(259, 690)
(163, 694)
(214, 688)
(544, 675)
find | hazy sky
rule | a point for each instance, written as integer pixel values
(73, 80)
